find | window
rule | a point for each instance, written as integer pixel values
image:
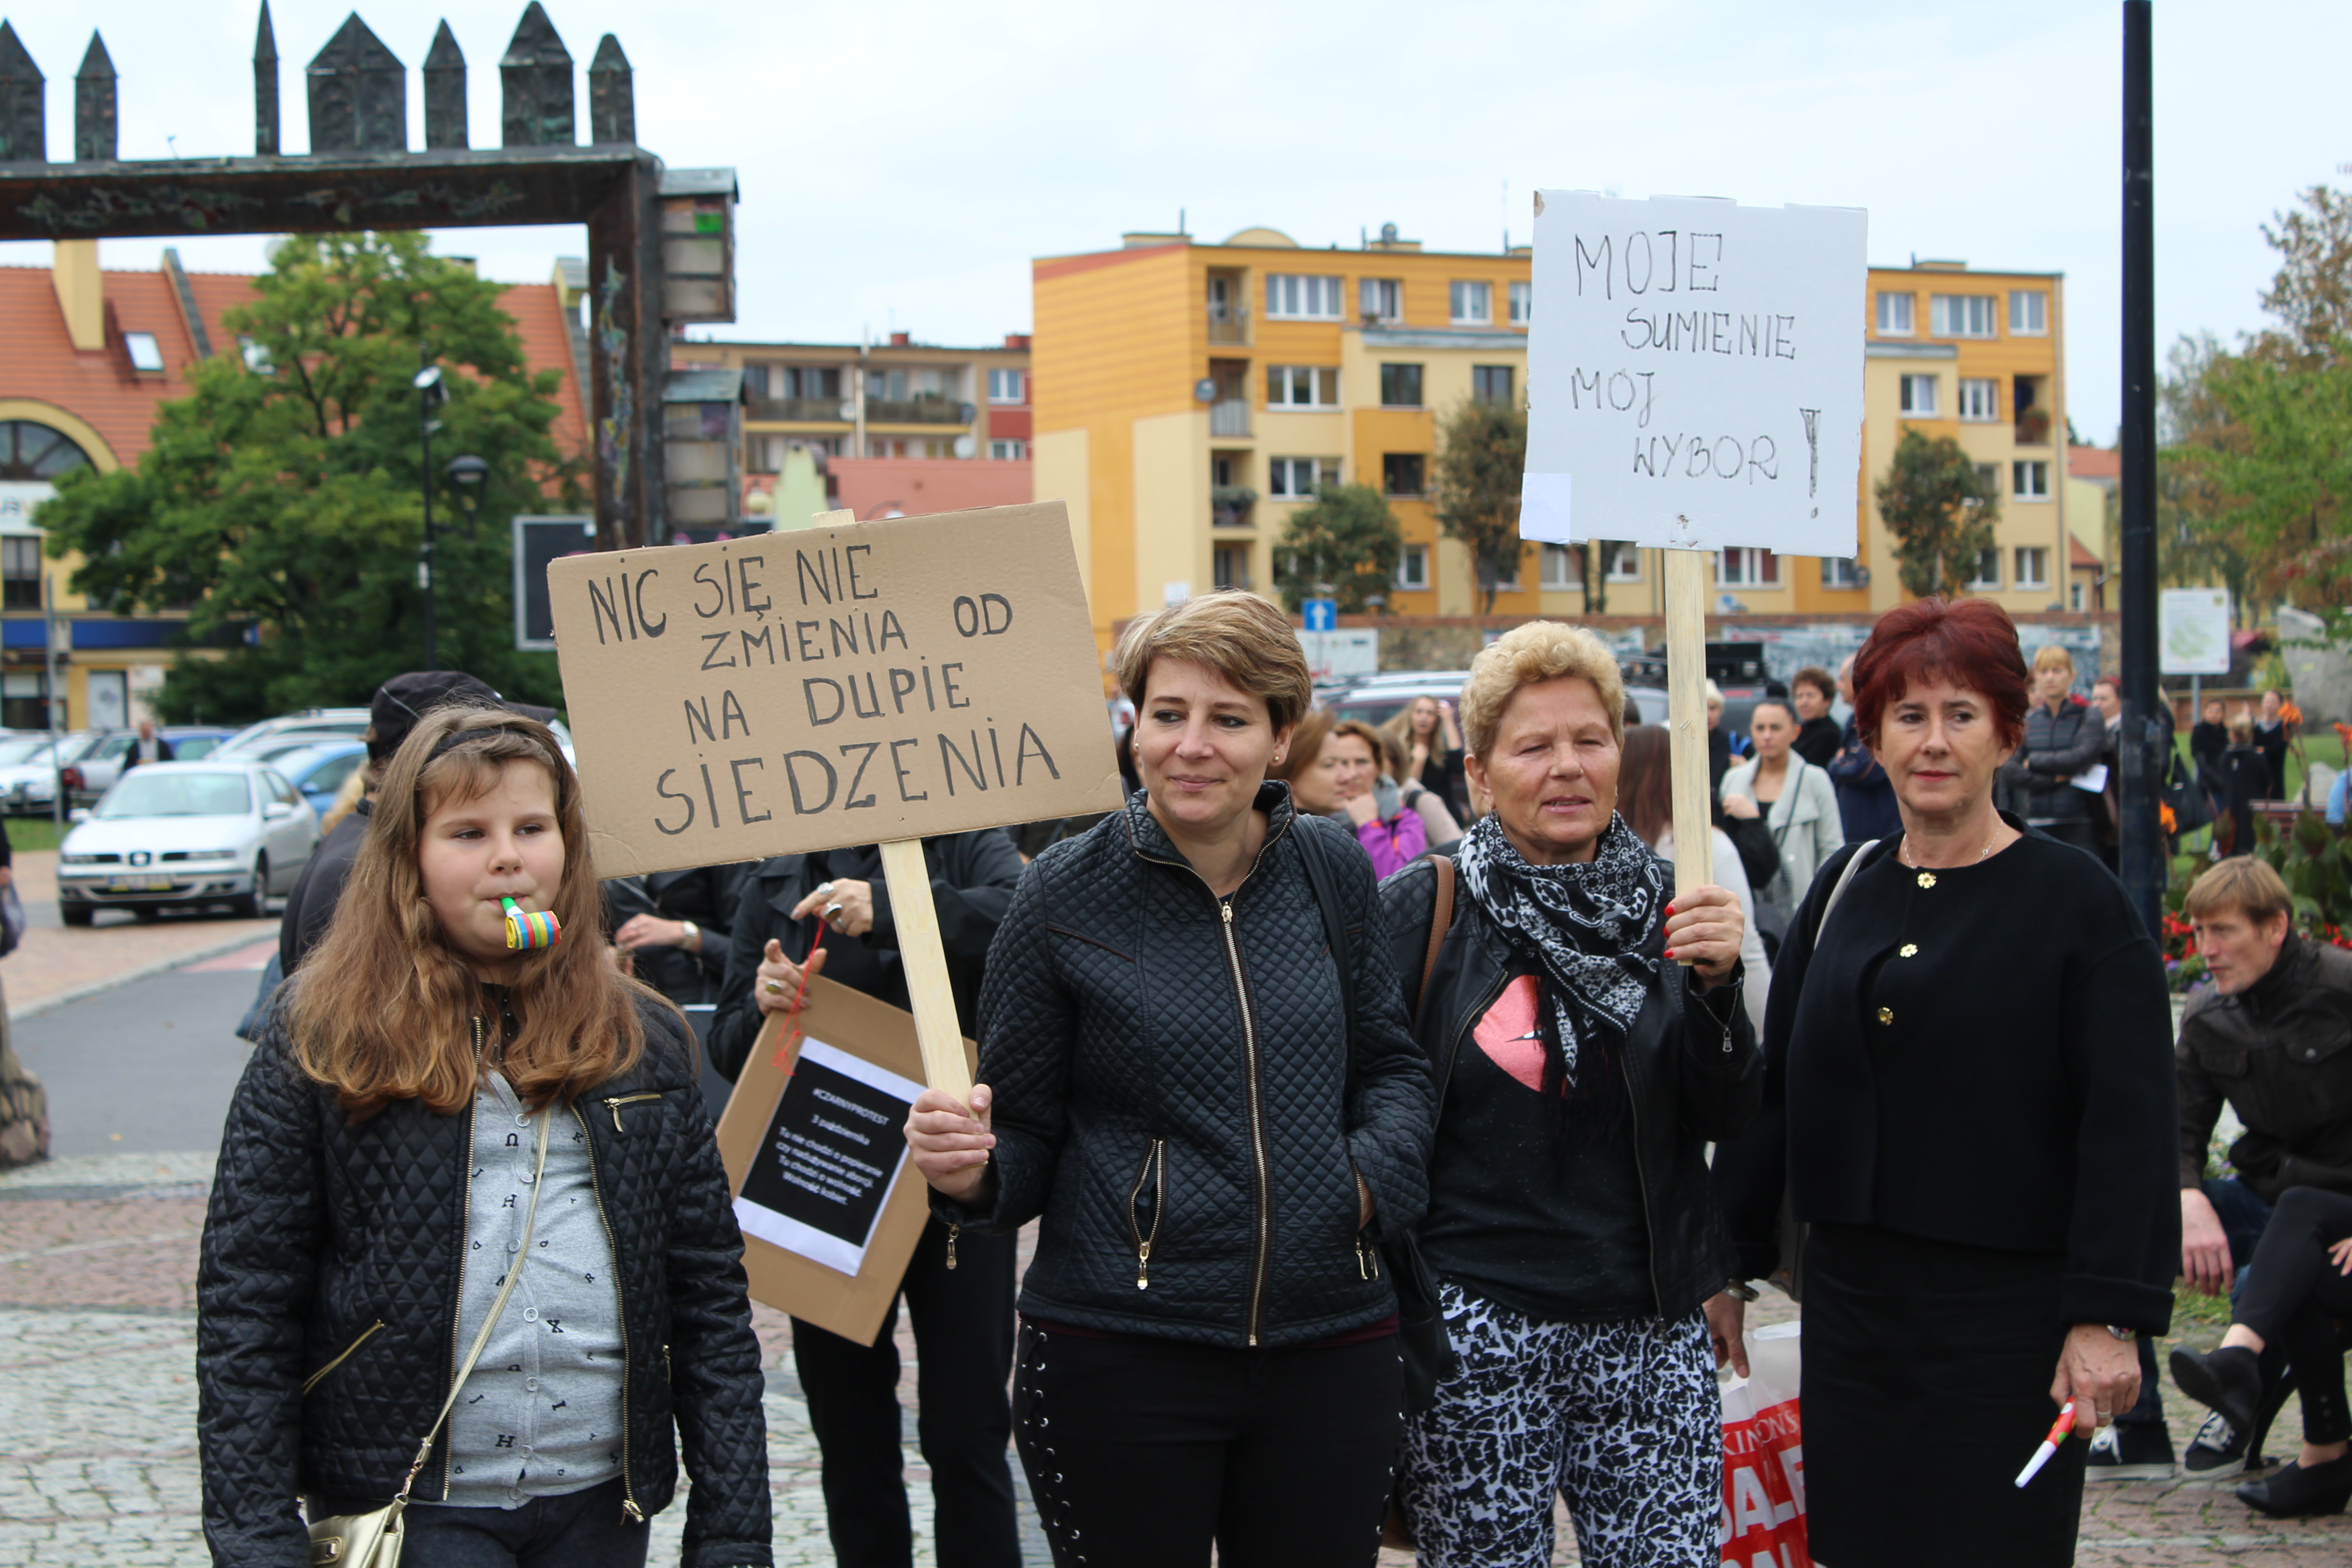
(1839, 571)
(1987, 476)
(1624, 562)
(1960, 315)
(1412, 567)
(764, 454)
(2074, 595)
(1561, 567)
(1920, 396)
(1490, 383)
(887, 385)
(1988, 573)
(30, 451)
(256, 357)
(1380, 299)
(1749, 568)
(1295, 479)
(1400, 386)
(1401, 473)
(2029, 312)
(1006, 385)
(1296, 298)
(1474, 304)
(146, 353)
(20, 572)
(2030, 481)
(1302, 386)
(1229, 566)
(1894, 314)
(1979, 398)
(2032, 566)
(1523, 303)
(1008, 451)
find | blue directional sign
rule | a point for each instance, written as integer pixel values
(1319, 615)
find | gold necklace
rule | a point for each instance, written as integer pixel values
(1927, 879)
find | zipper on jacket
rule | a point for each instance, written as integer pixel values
(312, 1380)
(612, 1102)
(629, 1509)
(1156, 1155)
(953, 1231)
(1249, 1055)
(1641, 1176)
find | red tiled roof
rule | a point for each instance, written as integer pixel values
(876, 486)
(99, 386)
(2081, 554)
(2093, 463)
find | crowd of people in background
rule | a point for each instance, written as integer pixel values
(1403, 1146)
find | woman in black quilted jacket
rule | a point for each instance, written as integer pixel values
(427, 1099)
(1209, 1344)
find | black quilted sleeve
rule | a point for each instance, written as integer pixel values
(1028, 1026)
(265, 1228)
(1392, 1114)
(715, 1376)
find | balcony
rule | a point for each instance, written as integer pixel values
(1230, 506)
(798, 410)
(916, 411)
(2033, 427)
(1229, 416)
(1230, 326)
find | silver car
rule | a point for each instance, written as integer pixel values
(29, 783)
(179, 834)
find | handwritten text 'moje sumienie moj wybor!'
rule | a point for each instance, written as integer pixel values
(821, 615)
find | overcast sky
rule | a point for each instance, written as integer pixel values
(901, 160)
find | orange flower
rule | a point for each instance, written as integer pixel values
(2290, 714)
(2171, 822)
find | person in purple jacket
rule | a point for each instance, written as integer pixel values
(1332, 771)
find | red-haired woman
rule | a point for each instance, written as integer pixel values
(432, 1111)
(1970, 1102)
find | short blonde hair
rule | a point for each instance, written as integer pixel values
(2241, 883)
(1243, 638)
(2050, 655)
(1537, 651)
(1714, 695)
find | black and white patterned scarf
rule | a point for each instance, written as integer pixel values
(1593, 926)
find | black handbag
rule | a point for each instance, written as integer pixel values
(1422, 1343)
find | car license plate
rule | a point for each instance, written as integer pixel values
(139, 884)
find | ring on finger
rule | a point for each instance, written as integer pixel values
(824, 888)
(830, 910)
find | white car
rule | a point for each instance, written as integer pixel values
(177, 834)
(28, 783)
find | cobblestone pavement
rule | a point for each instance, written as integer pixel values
(98, 1456)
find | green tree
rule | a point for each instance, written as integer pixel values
(1343, 545)
(280, 499)
(1940, 510)
(1482, 452)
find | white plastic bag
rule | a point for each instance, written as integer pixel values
(1764, 1457)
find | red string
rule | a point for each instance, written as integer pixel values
(792, 1035)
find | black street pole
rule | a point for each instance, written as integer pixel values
(428, 381)
(2140, 754)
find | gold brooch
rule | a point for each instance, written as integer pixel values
(1926, 879)
(1910, 950)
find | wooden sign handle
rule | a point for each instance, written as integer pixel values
(1686, 718)
(930, 997)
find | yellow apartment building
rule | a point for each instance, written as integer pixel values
(1189, 395)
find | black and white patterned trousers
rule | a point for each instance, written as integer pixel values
(1622, 1419)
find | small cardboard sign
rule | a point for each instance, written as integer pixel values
(1694, 373)
(781, 693)
(829, 1204)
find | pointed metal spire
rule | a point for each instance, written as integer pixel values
(359, 94)
(94, 117)
(445, 92)
(611, 94)
(23, 127)
(265, 87)
(535, 78)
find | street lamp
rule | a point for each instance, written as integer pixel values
(429, 392)
(467, 473)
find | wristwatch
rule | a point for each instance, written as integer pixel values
(693, 936)
(2127, 1335)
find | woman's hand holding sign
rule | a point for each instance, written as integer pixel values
(951, 1144)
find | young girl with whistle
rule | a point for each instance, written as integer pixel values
(470, 1254)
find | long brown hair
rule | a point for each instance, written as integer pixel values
(383, 1009)
(1645, 782)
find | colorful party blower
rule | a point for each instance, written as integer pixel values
(528, 929)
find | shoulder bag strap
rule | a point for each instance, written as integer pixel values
(514, 1272)
(1441, 920)
(1837, 889)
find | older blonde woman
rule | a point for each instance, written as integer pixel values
(1581, 1071)
(1209, 1349)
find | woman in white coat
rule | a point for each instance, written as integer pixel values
(1794, 799)
(1645, 799)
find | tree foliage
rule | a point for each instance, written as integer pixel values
(1342, 545)
(280, 501)
(1482, 452)
(1940, 510)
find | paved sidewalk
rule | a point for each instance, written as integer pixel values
(58, 962)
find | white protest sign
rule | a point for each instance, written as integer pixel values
(1694, 373)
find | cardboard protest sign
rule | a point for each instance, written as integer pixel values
(1694, 373)
(829, 1205)
(780, 693)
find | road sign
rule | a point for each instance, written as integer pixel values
(1319, 615)
(2193, 634)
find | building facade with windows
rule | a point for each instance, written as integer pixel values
(1191, 396)
(91, 356)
